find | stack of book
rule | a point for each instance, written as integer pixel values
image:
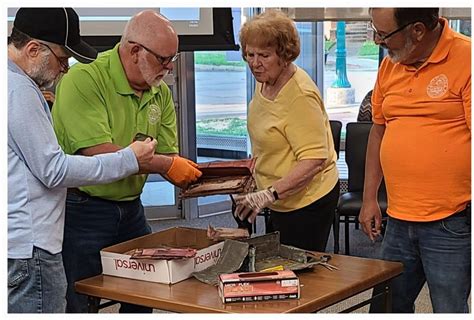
(222, 177)
(259, 286)
(163, 253)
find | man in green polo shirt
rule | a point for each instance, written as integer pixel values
(99, 108)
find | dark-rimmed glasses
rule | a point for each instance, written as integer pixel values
(161, 60)
(385, 37)
(64, 65)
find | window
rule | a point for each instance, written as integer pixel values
(461, 26)
(361, 65)
(221, 111)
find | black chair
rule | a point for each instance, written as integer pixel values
(336, 127)
(365, 114)
(365, 108)
(350, 203)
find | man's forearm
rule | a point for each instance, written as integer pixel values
(373, 169)
(99, 149)
(159, 164)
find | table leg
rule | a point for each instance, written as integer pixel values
(388, 297)
(93, 304)
(382, 298)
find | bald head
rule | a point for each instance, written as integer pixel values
(147, 49)
(149, 26)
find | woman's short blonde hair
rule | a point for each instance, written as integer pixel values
(272, 28)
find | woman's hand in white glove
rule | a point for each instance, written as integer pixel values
(250, 204)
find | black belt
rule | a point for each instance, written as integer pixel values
(77, 192)
(466, 212)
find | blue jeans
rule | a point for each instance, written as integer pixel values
(438, 253)
(38, 284)
(92, 224)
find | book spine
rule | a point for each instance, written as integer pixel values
(266, 297)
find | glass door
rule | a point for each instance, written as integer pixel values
(221, 112)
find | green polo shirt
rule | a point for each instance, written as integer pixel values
(95, 104)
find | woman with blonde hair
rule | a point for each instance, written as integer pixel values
(289, 129)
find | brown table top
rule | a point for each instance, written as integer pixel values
(320, 289)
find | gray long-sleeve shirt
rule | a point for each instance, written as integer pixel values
(39, 171)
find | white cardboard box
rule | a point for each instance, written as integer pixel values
(115, 263)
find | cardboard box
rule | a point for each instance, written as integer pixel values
(259, 286)
(115, 263)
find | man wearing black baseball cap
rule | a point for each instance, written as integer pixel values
(55, 25)
(55, 30)
(39, 47)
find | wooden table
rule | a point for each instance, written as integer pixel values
(320, 288)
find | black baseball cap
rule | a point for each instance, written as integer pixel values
(56, 25)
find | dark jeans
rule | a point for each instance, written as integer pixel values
(92, 224)
(438, 253)
(309, 227)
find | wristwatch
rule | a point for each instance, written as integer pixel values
(274, 192)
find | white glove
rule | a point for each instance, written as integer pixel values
(250, 204)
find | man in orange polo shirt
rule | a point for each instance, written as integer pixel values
(421, 144)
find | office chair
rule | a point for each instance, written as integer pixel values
(350, 203)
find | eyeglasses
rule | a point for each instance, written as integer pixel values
(161, 60)
(385, 37)
(64, 64)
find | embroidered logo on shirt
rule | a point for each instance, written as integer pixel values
(154, 113)
(438, 86)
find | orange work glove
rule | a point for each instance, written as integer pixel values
(182, 172)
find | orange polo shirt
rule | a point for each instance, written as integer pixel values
(426, 149)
